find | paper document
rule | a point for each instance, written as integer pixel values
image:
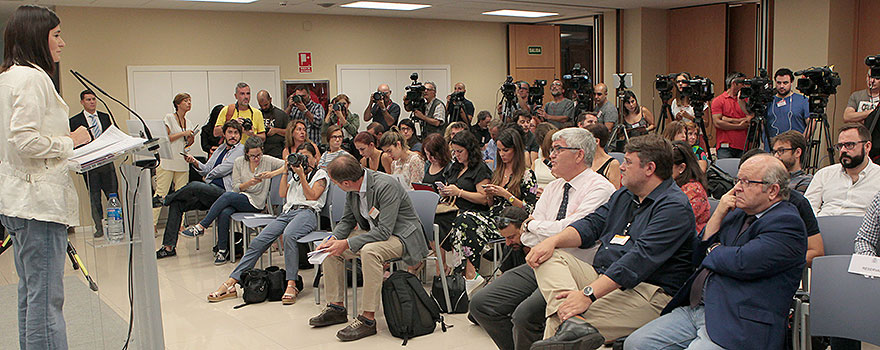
(110, 144)
(317, 257)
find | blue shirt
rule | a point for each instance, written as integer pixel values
(660, 241)
(490, 153)
(791, 114)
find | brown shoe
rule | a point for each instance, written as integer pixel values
(357, 329)
(330, 316)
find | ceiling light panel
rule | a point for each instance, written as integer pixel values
(520, 13)
(375, 5)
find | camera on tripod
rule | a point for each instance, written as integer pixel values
(699, 90)
(759, 91)
(664, 84)
(456, 98)
(874, 63)
(536, 93)
(578, 81)
(415, 94)
(508, 88)
(819, 81)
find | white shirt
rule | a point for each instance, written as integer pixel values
(362, 192)
(176, 163)
(589, 191)
(832, 191)
(296, 196)
(94, 123)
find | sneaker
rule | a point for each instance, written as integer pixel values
(472, 285)
(164, 253)
(360, 328)
(192, 231)
(157, 201)
(220, 257)
(331, 315)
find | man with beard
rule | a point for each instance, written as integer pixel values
(301, 106)
(276, 125)
(560, 112)
(788, 110)
(789, 147)
(462, 111)
(848, 187)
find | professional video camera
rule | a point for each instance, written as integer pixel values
(818, 81)
(664, 85)
(759, 91)
(699, 90)
(415, 94)
(508, 89)
(536, 93)
(578, 81)
(874, 63)
(456, 98)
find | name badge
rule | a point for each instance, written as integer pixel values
(619, 240)
(374, 213)
(781, 103)
(865, 265)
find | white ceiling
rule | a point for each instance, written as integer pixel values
(466, 10)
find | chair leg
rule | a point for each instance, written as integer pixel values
(354, 288)
(231, 250)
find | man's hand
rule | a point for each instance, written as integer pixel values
(336, 247)
(726, 203)
(575, 303)
(541, 113)
(540, 253)
(300, 106)
(381, 103)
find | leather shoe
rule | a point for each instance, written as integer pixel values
(329, 316)
(573, 334)
(357, 330)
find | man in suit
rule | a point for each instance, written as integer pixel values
(102, 178)
(750, 260)
(377, 203)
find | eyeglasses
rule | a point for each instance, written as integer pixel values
(333, 137)
(848, 145)
(503, 221)
(557, 149)
(780, 151)
(744, 182)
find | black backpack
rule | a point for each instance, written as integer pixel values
(277, 283)
(255, 283)
(457, 293)
(719, 181)
(409, 311)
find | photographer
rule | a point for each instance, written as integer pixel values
(861, 106)
(789, 110)
(342, 117)
(251, 120)
(606, 111)
(460, 110)
(730, 120)
(300, 106)
(522, 99)
(433, 119)
(382, 110)
(560, 112)
(681, 104)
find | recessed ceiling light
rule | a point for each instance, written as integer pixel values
(226, 1)
(519, 13)
(375, 5)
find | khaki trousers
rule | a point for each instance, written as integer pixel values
(615, 315)
(163, 184)
(373, 256)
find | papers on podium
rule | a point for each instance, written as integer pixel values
(111, 144)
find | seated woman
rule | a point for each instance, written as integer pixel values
(604, 164)
(436, 150)
(296, 135)
(251, 175)
(692, 181)
(404, 162)
(333, 139)
(371, 156)
(681, 131)
(638, 119)
(306, 194)
(512, 184)
(693, 139)
(408, 130)
(542, 170)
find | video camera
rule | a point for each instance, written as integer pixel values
(456, 98)
(578, 81)
(759, 91)
(415, 94)
(664, 84)
(508, 88)
(819, 81)
(536, 93)
(874, 63)
(699, 90)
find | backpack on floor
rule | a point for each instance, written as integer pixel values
(255, 283)
(457, 293)
(277, 283)
(409, 311)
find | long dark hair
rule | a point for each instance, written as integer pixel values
(682, 154)
(467, 140)
(436, 144)
(26, 38)
(630, 95)
(510, 139)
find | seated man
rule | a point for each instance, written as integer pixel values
(306, 195)
(646, 230)
(751, 256)
(377, 203)
(201, 195)
(511, 308)
(846, 188)
(790, 147)
(868, 238)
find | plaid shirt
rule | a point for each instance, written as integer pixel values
(313, 129)
(868, 238)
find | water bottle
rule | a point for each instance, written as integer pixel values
(115, 231)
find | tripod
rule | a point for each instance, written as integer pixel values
(665, 111)
(757, 134)
(817, 120)
(621, 125)
(698, 119)
(509, 103)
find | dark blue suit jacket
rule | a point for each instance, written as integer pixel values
(753, 279)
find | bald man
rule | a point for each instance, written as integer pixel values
(604, 109)
(382, 111)
(462, 110)
(276, 125)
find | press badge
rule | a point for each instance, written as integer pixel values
(781, 103)
(374, 213)
(619, 240)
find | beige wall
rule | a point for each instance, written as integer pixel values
(644, 52)
(609, 47)
(102, 42)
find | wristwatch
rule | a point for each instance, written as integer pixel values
(711, 247)
(511, 199)
(588, 291)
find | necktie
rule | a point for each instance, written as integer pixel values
(699, 285)
(95, 125)
(563, 207)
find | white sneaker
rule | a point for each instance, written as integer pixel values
(473, 285)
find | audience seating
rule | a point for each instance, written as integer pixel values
(617, 155)
(843, 304)
(713, 204)
(334, 208)
(839, 233)
(728, 165)
(274, 198)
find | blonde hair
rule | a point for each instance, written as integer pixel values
(179, 98)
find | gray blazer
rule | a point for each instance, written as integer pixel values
(396, 217)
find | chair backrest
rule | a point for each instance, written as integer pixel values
(425, 203)
(617, 155)
(274, 198)
(728, 165)
(713, 204)
(843, 304)
(336, 196)
(839, 233)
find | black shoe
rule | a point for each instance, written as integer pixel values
(157, 202)
(359, 329)
(99, 234)
(573, 334)
(330, 316)
(220, 257)
(164, 253)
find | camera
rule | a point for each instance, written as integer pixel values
(664, 84)
(456, 98)
(339, 106)
(378, 96)
(247, 124)
(299, 99)
(759, 90)
(874, 63)
(295, 160)
(818, 81)
(578, 81)
(699, 90)
(508, 88)
(536, 93)
(415, 94)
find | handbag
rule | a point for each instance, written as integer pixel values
(446, 205)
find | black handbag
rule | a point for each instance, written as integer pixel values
(457, 293)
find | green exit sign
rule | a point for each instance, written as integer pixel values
(535, 50)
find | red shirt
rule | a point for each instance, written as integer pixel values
(728, 106)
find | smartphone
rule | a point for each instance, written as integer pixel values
(484, 186)
(439, 185)
(183, 154)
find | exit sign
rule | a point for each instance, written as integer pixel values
(535, 50)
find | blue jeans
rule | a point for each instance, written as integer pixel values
(195, 195)
(39, 249)
(229, 203)
(293, 224)
(683, 328)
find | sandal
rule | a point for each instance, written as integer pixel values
(218, 295)
(290, 298)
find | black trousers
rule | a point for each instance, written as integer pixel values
(97, 180)
(194, 196)
(511, 309)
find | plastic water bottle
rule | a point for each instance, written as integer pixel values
(115, 231)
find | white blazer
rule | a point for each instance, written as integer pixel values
(35, 181)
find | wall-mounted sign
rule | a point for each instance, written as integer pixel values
(305, 62)
(535, 50)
